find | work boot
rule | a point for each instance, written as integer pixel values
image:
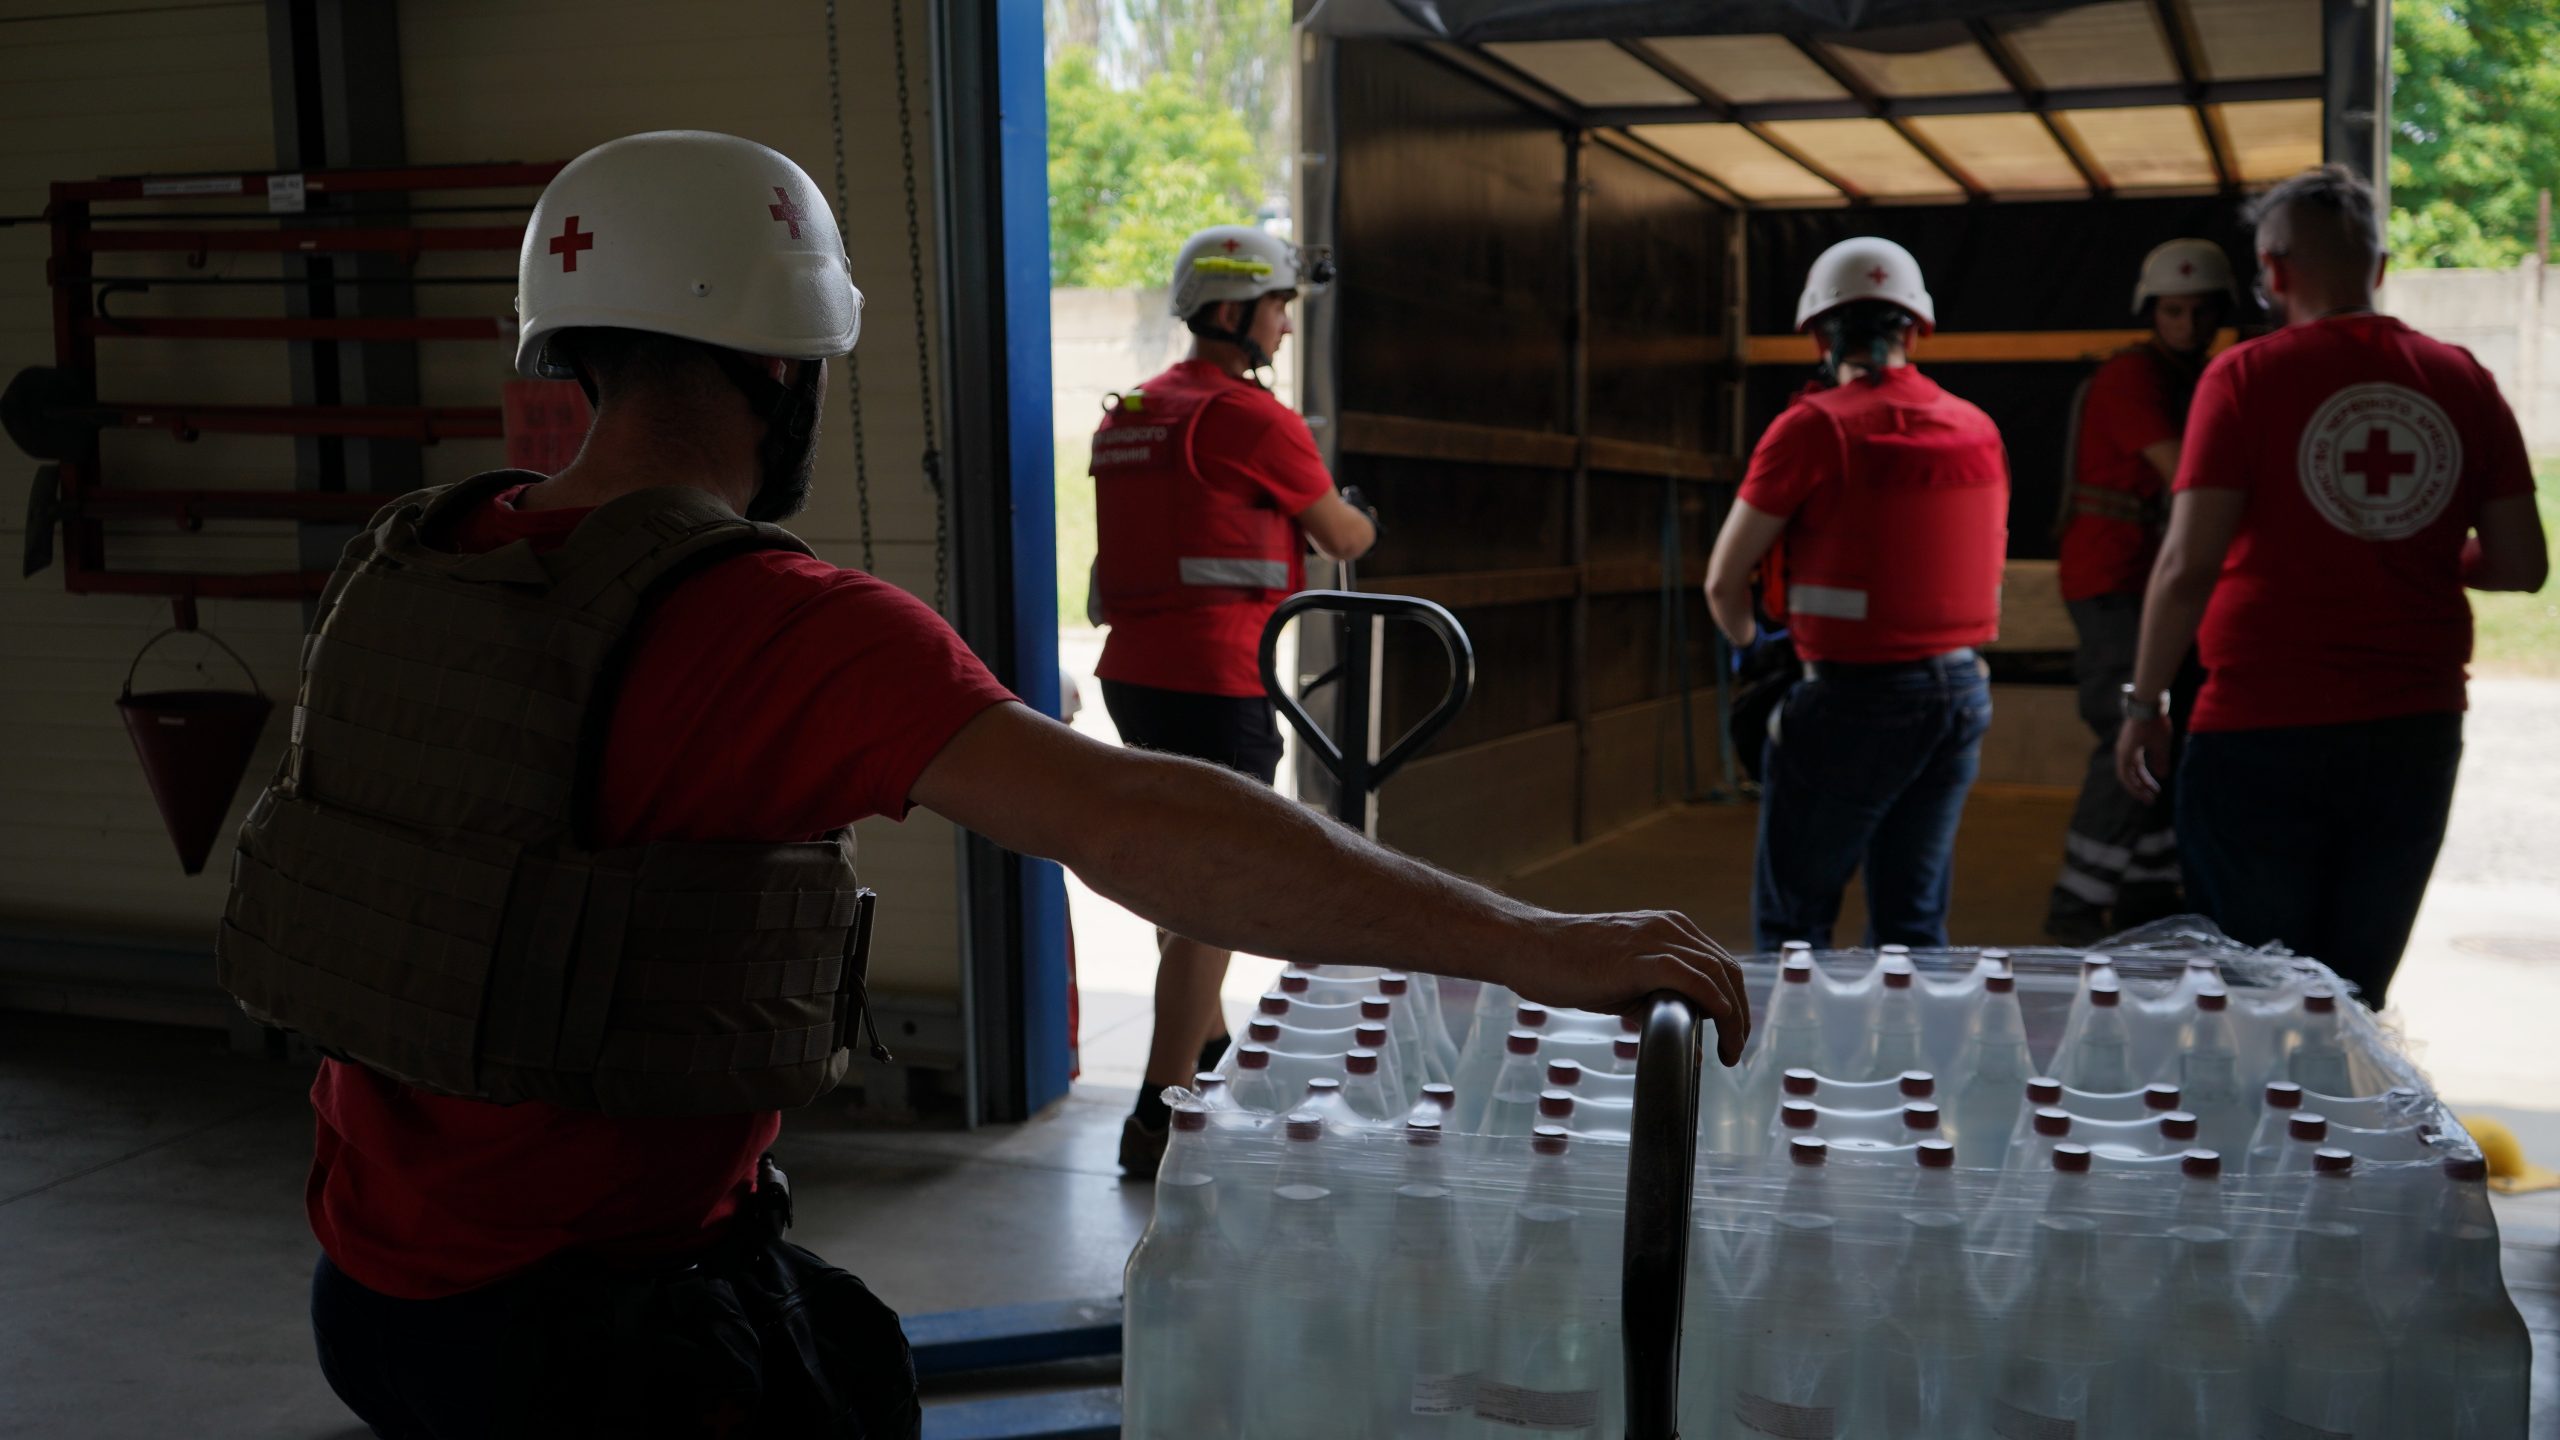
(1141, 1148)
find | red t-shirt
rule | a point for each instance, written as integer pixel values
(1252, 446)
(2366, 450)
(1896, 498)
(772, 697)
(2129, 409)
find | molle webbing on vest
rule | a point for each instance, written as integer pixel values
(415, 890)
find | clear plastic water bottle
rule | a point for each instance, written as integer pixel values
(1439, 1102)
(1186, 1143)
(1295, 1341)
(2042, 1092)
(1374, 1035)
(2047, 1128)
(2209, 1079)
(2465, 1365)
(2305, 1135)
(2316, 1057)
(1425, 1162)
(1212, 1089)
(1893, 1042)
(1797, 1361)
(1623, 1054)
(1924, 1372)
(1324, 1100)
(1178, 1327)
(2100, 1060)
(1364, 1089)
(2331, 1375)
(2067, 1190)
(2202, 1341)
(1932, 1181)
(1514, 1102)
(2065, 1370)
(1413, 1052)
(1548, 1358)
(2281, 1102)
(1990, 1075)
(2198, 1204)
(1423, 1309)
(1253, 1089)
(2093, 969)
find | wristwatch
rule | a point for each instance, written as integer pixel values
(2133, 706)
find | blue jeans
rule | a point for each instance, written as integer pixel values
(2319, 836)
(1868, 764)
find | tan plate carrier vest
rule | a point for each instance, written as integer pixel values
(417, 890)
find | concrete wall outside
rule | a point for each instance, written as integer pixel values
(2510, 319)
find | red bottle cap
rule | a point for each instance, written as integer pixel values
(1422, 1130)
(2284, 1095)
(1799, 1115)
(1919, 1084)
(1376, 1008)
(1394, 984)
(1207, 1080)
(1361, 1062)
(2178, 1125)
(1275, 1005)
(2050, 1121)
(2104, 992)
(2090, 965)
(2213, 1001)
(1630, 1025)
(2044, 1090)
(1324, 1085)
(1521, 1042)
(2308, 1128)
(1995, 953)
(2159, 1097)
(2470, 1169)
(1305, 1127)
(1531, 1017)
(1370, 1037)
(1791, 947)
(1807, 1150)
(1797, 971)
(1937, 1154)
(1295, 982)
(1547, 1140)
(1896, 948)
(1923, 1116)
(2000, 984)
(1252, 1057)
(1800, 1081)
(1263, 1031)
(2320, 1000)
(1190, 1116)
(1441, 1094)
(1897, 974)
(1554, 1105)
(2071, 1159)
(1564, 1072)
(1626, 1048)
(2201, 1164)
(2332, 1162)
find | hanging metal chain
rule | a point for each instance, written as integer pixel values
(924, 360)
(853, 358)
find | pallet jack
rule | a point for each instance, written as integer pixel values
(997, 1345)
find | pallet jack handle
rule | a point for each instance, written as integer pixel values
(1359, 767)
(1662, 1168)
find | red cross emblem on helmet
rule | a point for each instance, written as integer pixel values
(1231, 244)
(1878, 274)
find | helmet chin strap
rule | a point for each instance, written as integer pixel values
(790, 427)
(1256, 358)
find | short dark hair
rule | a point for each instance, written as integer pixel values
(1864, 332)
(634, 362)
(2329, 211)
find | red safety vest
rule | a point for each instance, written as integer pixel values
(1170, 540)
(1907, 563)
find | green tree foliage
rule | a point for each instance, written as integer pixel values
(1133, 172)
(2475, 112)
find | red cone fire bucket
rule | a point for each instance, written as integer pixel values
(194, 745)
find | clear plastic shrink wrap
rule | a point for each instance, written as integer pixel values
(1948, 1195)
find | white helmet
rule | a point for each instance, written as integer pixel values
(1239, 262)
(1865, 267)
(686, 233)
(2183, 267)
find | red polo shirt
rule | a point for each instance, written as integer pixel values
(2366, 451)
(1257, 450)
(2131, 406)
(772, 697)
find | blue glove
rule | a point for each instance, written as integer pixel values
(1764, 643)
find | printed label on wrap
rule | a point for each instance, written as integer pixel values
(1443, 1394)
(1760, 1415)
(2272, 1426)
(2011, 1423)
(1519, 1408)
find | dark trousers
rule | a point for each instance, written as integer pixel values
(413, 1369)
(2319, 836)
(1868, 765)
(2120, 855)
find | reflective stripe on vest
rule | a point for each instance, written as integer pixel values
(1830, 601)
(1235, 574)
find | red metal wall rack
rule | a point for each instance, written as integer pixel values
(57, 414)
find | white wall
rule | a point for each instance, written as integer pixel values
(1106, 340)
(109, 88)
(2510, 319)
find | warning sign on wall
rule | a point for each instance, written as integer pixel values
(546, 422)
